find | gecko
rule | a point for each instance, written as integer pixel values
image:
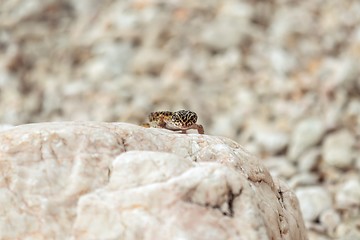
(176, 121)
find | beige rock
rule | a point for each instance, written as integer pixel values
(337, 150)
(330, 219)
(86, 180)
(348, 194)
(306, 134)
(314, 201)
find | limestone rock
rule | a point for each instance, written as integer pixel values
(87, 180)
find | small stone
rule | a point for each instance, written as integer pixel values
(271, 141)
(236, 9)
(149, 61)
(105, 54)
(223, 125)
(280, 167)
(330, 219)
(304, 179)
(252, 148)
(306, 134)
(309, 160)
(313, 201)
(357, 160)
(314, 235)
(348, 230)
(282, 61)
(230, 36)
(337, 149)
(348, 195)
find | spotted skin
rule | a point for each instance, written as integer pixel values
(182, 120)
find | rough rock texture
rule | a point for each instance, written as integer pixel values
(87, 180)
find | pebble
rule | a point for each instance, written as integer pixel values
(309, 160)
(271, 141)
(330, 219)
(357, 160)
(348, 194)
(282, 62)
(280, 167)
(306, 134)
(149, 61)
(348, 230)
(337, 149)
(230, 36)
(303, 179)
(224, 124)
(314, 201)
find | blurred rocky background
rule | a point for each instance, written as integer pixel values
(281, 77)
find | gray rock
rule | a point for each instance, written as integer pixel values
(337, 149)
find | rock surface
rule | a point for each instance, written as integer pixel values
(87, 180)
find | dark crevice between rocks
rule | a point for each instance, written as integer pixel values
(109, 174)
(282, 225)
(228, 211)
(281, 198)
(123, 142)
(230, 204)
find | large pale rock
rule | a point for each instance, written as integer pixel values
(85, 180)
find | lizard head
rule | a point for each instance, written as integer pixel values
(184, 118)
